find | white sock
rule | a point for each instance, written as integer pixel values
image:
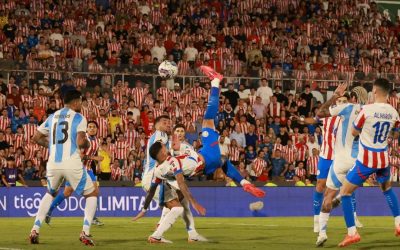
(188, 218)
(44, 207)
(167, 222)
(355, 216)
(397, 221)
(215, 82)
(164, 212)
(244, 182)
(90, 210)
(352, 230)
(323, 222)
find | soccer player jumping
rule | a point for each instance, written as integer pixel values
(372, 125)
(210, 152)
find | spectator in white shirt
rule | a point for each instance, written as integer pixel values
(264, 91)
(159, 51)
(239, 136)
(224, 143)
(191, 52)
(311, 144)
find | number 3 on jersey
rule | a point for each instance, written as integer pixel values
(64, 130)
(381, 131)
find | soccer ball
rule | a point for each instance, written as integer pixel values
(168, 69)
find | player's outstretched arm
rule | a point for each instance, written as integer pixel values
(186, 193)
(147, 201)
(324, 109)
(41, 139)
(83, 142)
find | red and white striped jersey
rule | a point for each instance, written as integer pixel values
(302, 150)
(9, 138)
(275, 109)
(164, 92)
(29, 130)
(128, 169)
(312, 164)
(258, 166)
(300, 172)
(30, 149)
(19, 160)
(197, 92)
(138, 96)
(121, 150)
(130, 137)
(330, 125)
(183, 67)
(234, 153)
(394, 101)
(19, 140)
(116, 173)
(4, 123)
(290, 153)
(102, 132)
(375, 121)
(244, 127)
(92, 150)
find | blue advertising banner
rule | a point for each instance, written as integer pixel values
(219, 202)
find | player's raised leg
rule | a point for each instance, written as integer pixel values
(210, 151)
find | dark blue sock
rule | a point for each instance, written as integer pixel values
(392, 202)
(317, 202)
(57, 201)
(213, 104)
(348, 211)
(353, 202)
(232, 172)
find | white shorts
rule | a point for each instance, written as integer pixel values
(166, 191)
(73, 172)
(338, 171)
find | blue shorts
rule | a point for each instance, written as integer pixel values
(323, 168)
(90, 173)
(210, 150)
(360, 173)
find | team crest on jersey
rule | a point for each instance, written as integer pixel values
(205, 134)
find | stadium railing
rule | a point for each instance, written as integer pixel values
(293, 80)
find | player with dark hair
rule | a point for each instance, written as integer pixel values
(89, 158)
(64, 132)
(372, 125)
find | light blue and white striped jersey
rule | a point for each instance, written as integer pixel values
(345, 141)
(62, 127)
(156, 136)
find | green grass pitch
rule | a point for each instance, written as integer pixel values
(224, 233)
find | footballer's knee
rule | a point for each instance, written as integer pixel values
(95, 193)
(386, 186)
(68, 192)
(321, 185)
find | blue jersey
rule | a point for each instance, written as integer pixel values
(150, 163)
(62, 128)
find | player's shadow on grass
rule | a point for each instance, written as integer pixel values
(105, 242)
(376, 245)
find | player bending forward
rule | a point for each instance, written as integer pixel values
(346, 148)
(373, 125)
(170, 175)
(90, 155)
(64, 132)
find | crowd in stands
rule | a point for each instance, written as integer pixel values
(291, 41)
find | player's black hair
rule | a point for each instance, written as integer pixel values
(347, 95)
(383, 84)
(158, 119)
(10, 158)
(93, 122)
(72, 95)
(179, 125)
(155, 149)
